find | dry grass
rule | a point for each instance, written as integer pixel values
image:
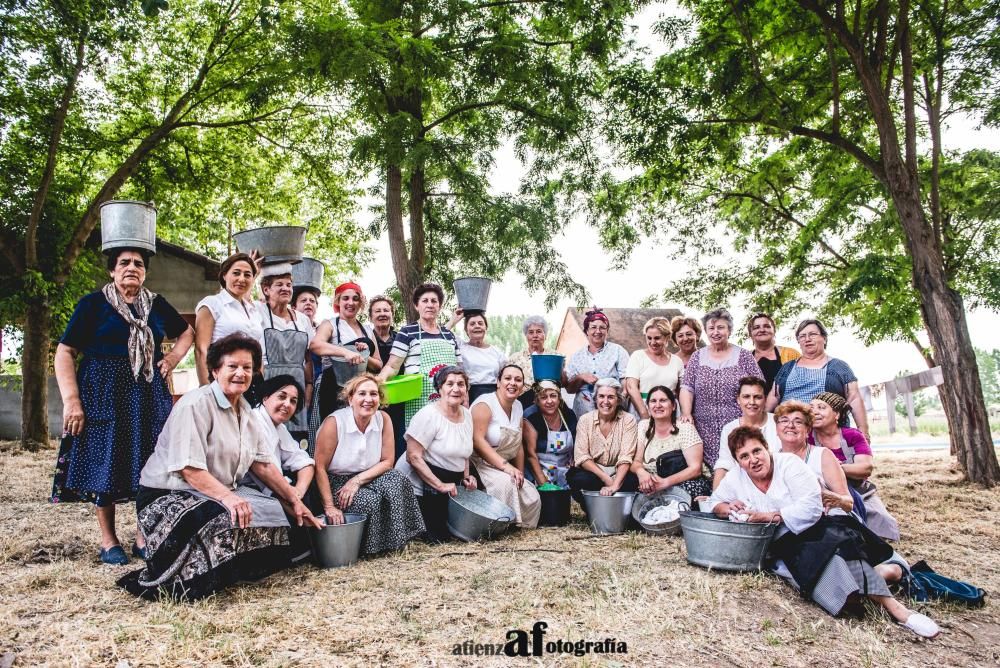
(58, 606)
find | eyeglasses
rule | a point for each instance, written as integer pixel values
(807, 336)
(795, 422)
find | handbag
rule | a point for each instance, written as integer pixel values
(670, 463)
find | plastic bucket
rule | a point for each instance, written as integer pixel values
(337, 545)
(608, 514)
(128, 224)
(723, 545)
(547, 367)
(555, 507)
(475, 515)
(403, 388)
(275, 244)
(472, 292)
(308, 274)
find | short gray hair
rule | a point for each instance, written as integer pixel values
(718, 314)
(534, 320)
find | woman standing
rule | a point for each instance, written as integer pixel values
(438, 447)
(341, 336)
(654, 366)
(479, 359)
(496, 439)
(769, 356)
(229, 311)
(204, 529)
(116, 404)
(381, 314)
(354, 455)
(549, 434)
(535, 330)
(669, 454)
(711, 382)
(285, 343)
(855, 456)
(600, 358)
(816, 372)
(423, 346)
(606, 439)
(685, 333)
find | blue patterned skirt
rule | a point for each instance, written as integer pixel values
(123, 418)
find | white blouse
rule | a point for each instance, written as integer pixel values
(482, 364)
(287, 454)
(447, 445)
(794, 492)
(357, 450)
(232, 316)
(498, 418)
(726, 461)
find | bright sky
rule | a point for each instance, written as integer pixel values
(648, 273)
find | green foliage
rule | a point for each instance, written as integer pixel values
(437, 89)
(506, 334)
(754, 129)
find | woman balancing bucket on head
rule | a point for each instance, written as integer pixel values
(115, 405)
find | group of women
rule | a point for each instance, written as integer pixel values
(225, 485)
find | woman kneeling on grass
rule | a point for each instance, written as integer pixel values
(205, 530)
(355, 449)
(830, 559)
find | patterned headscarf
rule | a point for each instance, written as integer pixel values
(834, 401)
(594, 314)
(140, 336)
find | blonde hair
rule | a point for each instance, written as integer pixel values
(662, 325)
(679, 321)
(792, 406)
(351, 386)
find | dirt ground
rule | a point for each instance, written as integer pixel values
(59, 606)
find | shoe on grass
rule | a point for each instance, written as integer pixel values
(114, 555)
(922, 625)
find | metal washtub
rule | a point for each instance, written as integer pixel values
(644, 504)
(723, 545)
(608, 514)
(284, 243)
(337, 545)
(127, 223)
(308, 274)
(475, 515)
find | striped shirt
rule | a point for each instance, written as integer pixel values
(407, 345)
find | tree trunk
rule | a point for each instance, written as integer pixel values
(34, 377)
(406, 278)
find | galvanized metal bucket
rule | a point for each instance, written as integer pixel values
(127, 223)
(608, 514)
(472, 292)
(475, 515)
(308, 274)
(274, 244)
(644, 504)
(344, 370)
(723, 545)
(337, 545)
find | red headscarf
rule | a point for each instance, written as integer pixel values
(594, 314)
(343, 287)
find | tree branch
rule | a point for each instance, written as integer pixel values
(48, 174)
(461, 109)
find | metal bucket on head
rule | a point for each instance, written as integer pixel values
(275, 244)
(127, 223)
(472, 292)
(723, 545)
(608, 514)
(308, 274)
(337, 545)
(474, 515)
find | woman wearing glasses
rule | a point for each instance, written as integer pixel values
(817, 372)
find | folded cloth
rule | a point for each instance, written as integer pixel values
(669, 512)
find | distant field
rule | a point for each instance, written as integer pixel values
(59, 607)
(931, 426)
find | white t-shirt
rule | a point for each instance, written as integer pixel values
(232, 316)
(356, 451)
(447, 444)
(265, 318)
(482, 364)
(498, 417)
(650, 374)
(287, 455)
(726, 460)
